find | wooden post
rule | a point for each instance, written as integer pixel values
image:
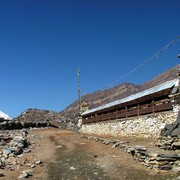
(138, 110)
(79, 93)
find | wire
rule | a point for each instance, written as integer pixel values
(156, 55)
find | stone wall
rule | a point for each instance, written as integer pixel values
(14, 125)
(147, 126)
(176, 108)
(157, 160)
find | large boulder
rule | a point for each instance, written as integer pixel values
(172, 130)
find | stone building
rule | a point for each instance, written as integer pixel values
(143, 114)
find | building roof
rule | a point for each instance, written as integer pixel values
(161, 87)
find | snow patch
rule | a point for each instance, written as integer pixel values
(4, 116)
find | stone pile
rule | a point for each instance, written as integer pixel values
(169, 143)
(12, 145)
(169, 161)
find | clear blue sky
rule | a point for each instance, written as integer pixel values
(42, 43)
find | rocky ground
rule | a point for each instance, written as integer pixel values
(55, 154)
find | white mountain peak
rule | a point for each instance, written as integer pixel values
(4, 116)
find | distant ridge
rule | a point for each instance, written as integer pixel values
(101, 97)
(166, 76)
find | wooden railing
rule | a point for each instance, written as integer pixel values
(130, 112)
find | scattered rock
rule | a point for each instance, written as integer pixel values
(33, 166)
(59, 146)
(140, 148)
(2, 175)
(27, 150)
(29, 172)
(176, 169)
(9, 167)
(6, 152)
(38, 162)
(23, 175)
(116, 144)
(72, 168)
(176, 145)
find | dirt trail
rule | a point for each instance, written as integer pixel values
(66, 155)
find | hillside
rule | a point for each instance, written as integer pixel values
(38, 115)
(101, 97)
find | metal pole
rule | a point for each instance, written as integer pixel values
(79, 92)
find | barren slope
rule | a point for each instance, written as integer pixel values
(101, 97)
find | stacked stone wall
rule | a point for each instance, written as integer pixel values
(147, 126)
(176, 108)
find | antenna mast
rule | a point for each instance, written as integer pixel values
(79, 92)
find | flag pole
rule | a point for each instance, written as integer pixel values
(79, 92)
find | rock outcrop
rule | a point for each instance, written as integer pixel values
(40, 118)
(172, 129)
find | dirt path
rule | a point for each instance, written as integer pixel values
(81, 159)
(66, 155)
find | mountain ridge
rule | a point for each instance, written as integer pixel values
(101, 97)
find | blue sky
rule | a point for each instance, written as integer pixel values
(43, 42)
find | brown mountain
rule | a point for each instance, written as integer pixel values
(37, 115)
(166, 76)
(101, 97)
